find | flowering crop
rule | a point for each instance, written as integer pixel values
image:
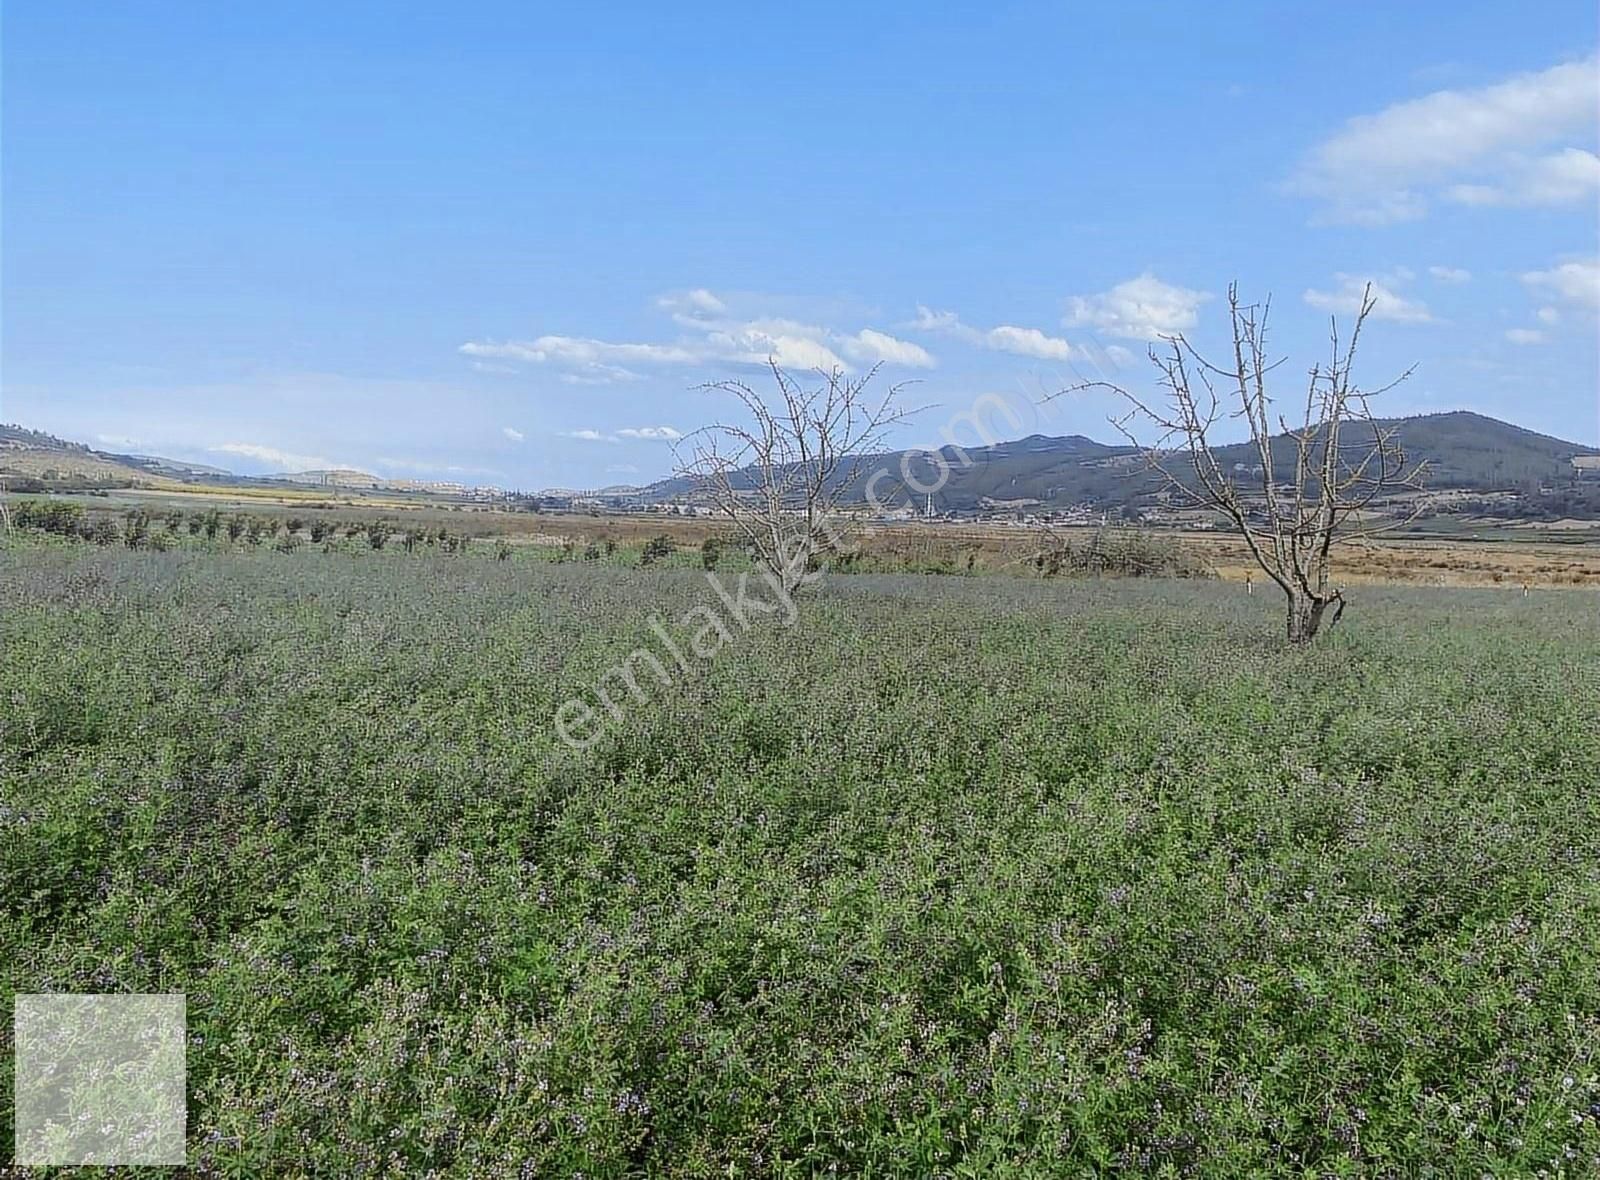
(953, 876)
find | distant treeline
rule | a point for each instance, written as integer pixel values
(53, 481)
(138, 528)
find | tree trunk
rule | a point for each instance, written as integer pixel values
(1305, 615)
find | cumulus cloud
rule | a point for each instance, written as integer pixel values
(696, 304)
(630, 433)
(1029, 342)
(512, 433)
(1575, 282)
(1524, 335)
(789, 343)
(1450, 274)
(1144, 308)
(1346, 298)
(1481, 146)
(929, 320)
(869, 346)
(711, 335)
(1564, 178)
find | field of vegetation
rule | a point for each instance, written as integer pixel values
(977, 877)
(1468, 553)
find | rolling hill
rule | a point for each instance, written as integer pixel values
(34, 457)
(1465, 452)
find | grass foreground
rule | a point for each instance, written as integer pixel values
(961, 877)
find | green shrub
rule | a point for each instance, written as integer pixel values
(1122, 552)
(657, 548)
(59, 519)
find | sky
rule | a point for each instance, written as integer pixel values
(509, 244)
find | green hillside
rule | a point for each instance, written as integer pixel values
(1463, 450)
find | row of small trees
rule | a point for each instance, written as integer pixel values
(139, 528)
(657, 548)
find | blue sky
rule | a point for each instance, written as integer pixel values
(502, 243)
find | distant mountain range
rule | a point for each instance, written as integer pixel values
(1467, 453)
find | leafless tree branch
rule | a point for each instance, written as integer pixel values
(1344, 465)
(779, 470)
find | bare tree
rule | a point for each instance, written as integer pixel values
(1313, 485)
(780, 473)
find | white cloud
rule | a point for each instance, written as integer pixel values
(1004, 338)
(1378, 168)
(712, 335)
(1346, 300)
(1548, 315)
(1576, 282)
(274, 458)
(1450, 274)
(1028, 342)
(597, 360)
(512, 433)
(696, 304)
(790, 344)
(631, 433)
(1524, 336)
(1144, 308)
(1564, 178)
(870, 346)
(601, 375)
(941, 321)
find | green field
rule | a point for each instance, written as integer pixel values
(955, 876)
